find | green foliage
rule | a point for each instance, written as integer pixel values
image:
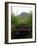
(21, 20)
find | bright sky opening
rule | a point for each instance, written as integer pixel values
(18, 9)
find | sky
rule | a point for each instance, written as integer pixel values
(18, 9)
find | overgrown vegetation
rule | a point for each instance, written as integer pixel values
(21, 20)
(17, 21)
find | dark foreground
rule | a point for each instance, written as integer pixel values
(21, 33)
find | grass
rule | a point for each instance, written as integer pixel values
(18, 20)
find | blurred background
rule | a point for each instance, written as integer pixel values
(21, 21)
